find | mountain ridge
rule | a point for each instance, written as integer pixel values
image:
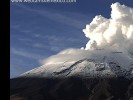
(97, 66)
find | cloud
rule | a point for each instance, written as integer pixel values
(29, 40)
(58, 16)
(115, 33)
(24, 53)
(108, 38)
(57, 43)
(111, 38)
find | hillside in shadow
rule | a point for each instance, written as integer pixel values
(72, 88)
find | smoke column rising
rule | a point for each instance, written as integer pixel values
(105, 37)
(116, 32)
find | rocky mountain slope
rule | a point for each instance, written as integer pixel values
(97, 77)
(103, 70)
(72, 88)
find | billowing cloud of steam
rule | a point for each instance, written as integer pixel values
(115, 33)
(110, 35)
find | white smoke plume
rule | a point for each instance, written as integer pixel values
(115, 33)
(105, 36)
(110, 41)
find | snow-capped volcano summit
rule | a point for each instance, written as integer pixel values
(85, 64)
(108, 53)
(103, 70)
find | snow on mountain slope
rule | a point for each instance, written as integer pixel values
(108, 53)
(85, 64)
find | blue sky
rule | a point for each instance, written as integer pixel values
(39, 30)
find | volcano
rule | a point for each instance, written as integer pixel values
(93, 78)
(103, 70)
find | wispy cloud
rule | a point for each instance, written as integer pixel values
(33, 40)
(25, 53)
(59, 16)
(16, 26)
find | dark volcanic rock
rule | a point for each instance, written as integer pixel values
(73, 88)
